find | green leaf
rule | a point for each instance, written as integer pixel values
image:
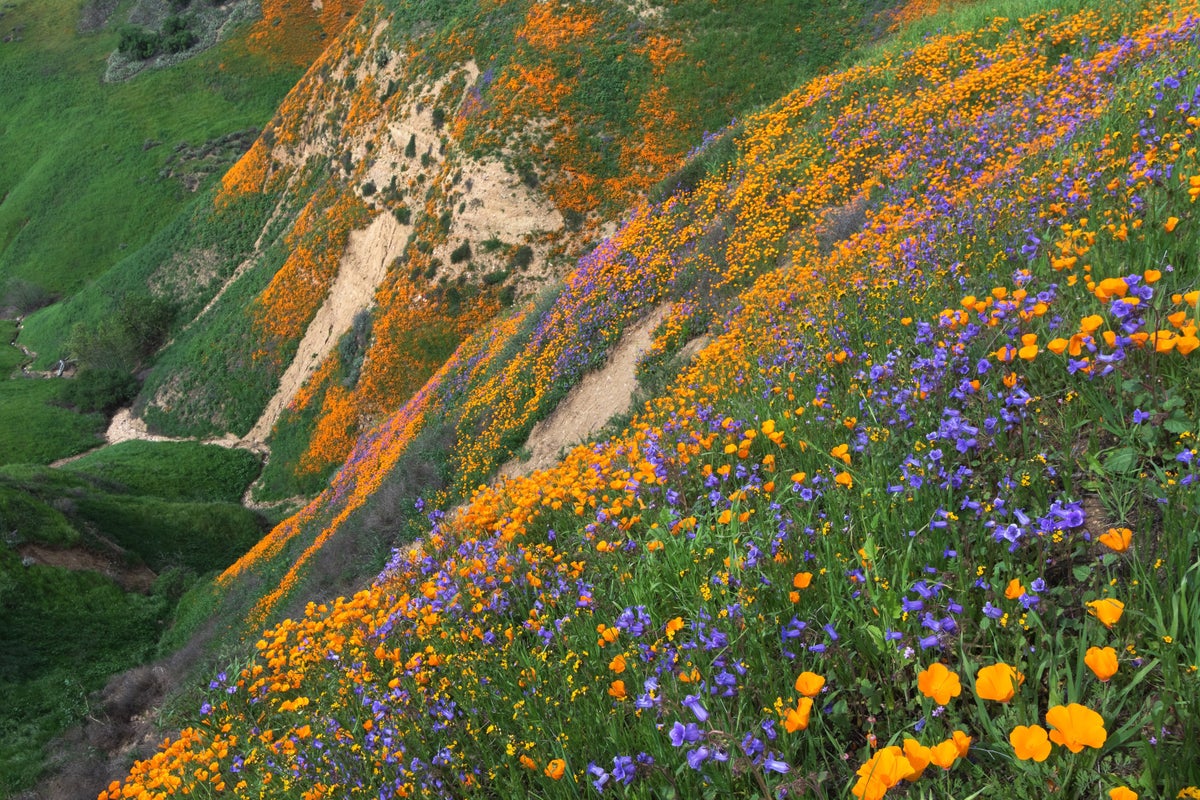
(1176, 425)
(1082, 572)
(1120, 461)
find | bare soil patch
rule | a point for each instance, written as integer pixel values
(129, 578)
(593, 402)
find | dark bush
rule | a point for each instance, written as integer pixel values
(368, 189)
(522, 258)
(410, 149)
(439, 118)
(403, 215)
(21, 297)
(493, 278)
(137, 43)
(103, 390)
(179, 41)
(135, 329)
(461, 253)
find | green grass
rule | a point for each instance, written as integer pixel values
(10, 357)
(78, 168)
(36, 432)
(47, 668)
(167, 506)
(173, 470)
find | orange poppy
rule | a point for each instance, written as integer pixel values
(1107, 610)
(796, 719)
(1117, 539)
(809, 684)
(1076, 727)
(938, 683)
(997, 682)
(944, 754)
(881, 772)
(556, 769)
(1030, 742)
(918, 756)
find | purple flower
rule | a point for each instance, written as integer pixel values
(697, 757)
(1140, 416)
(681, 734)
(692, 701)
(771, 764)
(601, 777)
(623, 769)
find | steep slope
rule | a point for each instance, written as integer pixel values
(941, 444)
(501, 137)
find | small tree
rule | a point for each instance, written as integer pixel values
(137, 43)
(410, 150)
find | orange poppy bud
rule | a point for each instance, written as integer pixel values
(1117, 539)
(1102, 661)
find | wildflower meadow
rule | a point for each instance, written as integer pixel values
(919, 519)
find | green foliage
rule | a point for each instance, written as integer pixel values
(25, 518)
(200, 536)
(47, 667)
(20, 297)
(128, 335)
(35, 430)
(138, 43)
(461, 253)
(10, 357)
(187, 471)
(521, 258)
(80, 197)
(102, 390)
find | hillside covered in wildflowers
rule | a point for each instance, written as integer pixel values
(919, 517)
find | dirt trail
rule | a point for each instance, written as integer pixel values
(129, 578)
(592, 403)
(363, 267)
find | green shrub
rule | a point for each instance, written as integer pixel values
(20, 297)
(461, 253)
(137, 43)
(522, 258)
(103, 390)
(122, 341)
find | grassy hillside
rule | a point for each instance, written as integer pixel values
(506, 107)
(110, 546)
(82, 162)
(922, 510)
